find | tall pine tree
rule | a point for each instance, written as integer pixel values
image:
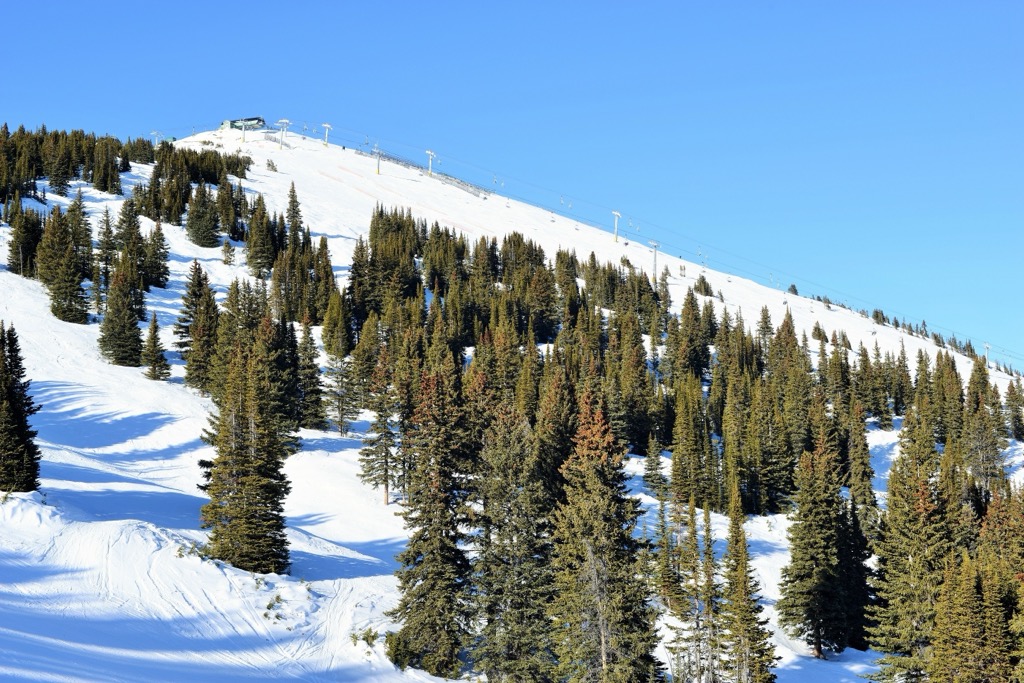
(19, 454)
(749, 654)
(513, 579)
(247, 485)
(153, 358)
(812, 607)
(120, 338)
(603, 625)
(434, 578)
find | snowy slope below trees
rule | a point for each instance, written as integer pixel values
(98, 575)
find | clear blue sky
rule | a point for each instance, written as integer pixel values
(872, 152)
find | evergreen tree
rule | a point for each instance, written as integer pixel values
(19, 454)
(749, 654)
(962, 650)
(1015, 409)
(343, 393)
(128, 229)
(155, 271)
(284, 356)
(68, 300)
(653, 477)
(601, 620)
(259, 242)
(26, 233)
(812, 604)
(59, 170)
(434, 577)
(766, 444)
(227, 252)
(243, 309)
(81, 235)
(378, 458)
(105, 257)
(709, 597)
(202, 224)
(105, 177)
(688, 645)
(153, 358)
(513, 580)
(247, 486)
(915, 541)
(120, 338)
(196, 329)
(293, 214)
(312, 414)
(554, 428)
(54, 245)
(225, 203)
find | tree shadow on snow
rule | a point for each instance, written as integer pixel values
(65, 419)
(70, 633)
(112, 496)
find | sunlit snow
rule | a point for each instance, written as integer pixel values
(98, 575)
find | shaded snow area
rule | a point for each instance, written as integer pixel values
(99, 574)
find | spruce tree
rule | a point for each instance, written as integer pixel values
(687, 646)
(54, 245)
(1015, 409)
(243, 309)
(749, 653)
(81, 235)
(709, 635)
(247, 486)
(602, 624)
(225, 203)
(155, 272)
(377, 458)
(434, 578)
(202, 224)
(26, 232)
(342, 392)
(104, 258)
(312, 414)
(19, 454)
(915, 542)
(554, 428)
(128, 229)
(196, 329)
(227, 253)
(812, 605)
(259, 242)
(512, 576)
(653, 476)
(68, 300)
(153, 358)
(120, 339)
(962, 650)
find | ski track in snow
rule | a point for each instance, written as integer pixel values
(97, 578)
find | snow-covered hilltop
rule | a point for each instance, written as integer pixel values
(99, 577)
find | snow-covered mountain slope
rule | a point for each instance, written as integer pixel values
(98, 575)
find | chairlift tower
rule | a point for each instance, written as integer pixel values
(155, 135)
(327, 131)
(617, 217)
(430, 162)
(283, 125)
(654, 273)
(376, 153)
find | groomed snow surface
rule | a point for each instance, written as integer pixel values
(99, 578)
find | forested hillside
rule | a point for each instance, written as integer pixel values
(599, 472)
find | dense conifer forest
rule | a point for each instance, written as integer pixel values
(506, 387)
